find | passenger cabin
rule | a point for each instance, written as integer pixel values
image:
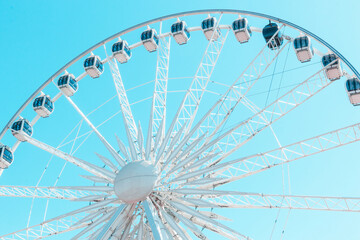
(180, 32)
(67, 84)
(241, 30)
(332, 66)
(208, 26)
(353, 90)
(93, 66)
(43, 105)
(270, 30)
(121, 51)
(150, 40)
(20, 129)
(303, 49)
(6, 157)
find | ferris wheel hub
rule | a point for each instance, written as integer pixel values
(135, 181)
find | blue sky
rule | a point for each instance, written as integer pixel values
(39, 37)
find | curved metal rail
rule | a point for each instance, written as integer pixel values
(182, 14)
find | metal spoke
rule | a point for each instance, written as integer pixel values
(89, 167)
(257, 200)
(102, 139)
(48, 228)
(47, 192)
(111, 224)
(200, 81)
(161, 80)
(123, 99)
(279, 108)
(241, 86)
(153, 220)
(253, 164)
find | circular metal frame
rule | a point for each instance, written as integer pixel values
(182, 14)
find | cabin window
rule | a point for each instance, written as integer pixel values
(62, 80)
(127, 50)
(73, 84)
(49, 104)
(27, 128)
(17, 125)
(7, 156)
(38, 102)
(89, 62)
(99, 65)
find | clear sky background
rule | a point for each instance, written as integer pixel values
(39, 37)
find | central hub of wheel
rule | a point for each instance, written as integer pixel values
(135, 181)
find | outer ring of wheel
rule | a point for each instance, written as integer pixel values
(182, 14)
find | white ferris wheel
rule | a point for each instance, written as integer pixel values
(175, 130)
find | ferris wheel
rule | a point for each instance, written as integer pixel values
(149, 145)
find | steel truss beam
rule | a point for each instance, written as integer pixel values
(260, 162)
(257, 200)
(44, 192)
(200, 81)
(124, 102)
(160, 89)
(246, 130)
(239, 168)
(241, 86)
(48, 228)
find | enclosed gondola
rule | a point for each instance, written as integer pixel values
(67, 84)
(272, 35)
(209, 28)
(93, 66)
(353, 91)
(121, 51)
(332, 66)
(43, 105)
(303, 48)
(6, 156)
(150, 40)
(241, 30)
(21, 128)
(180, 32)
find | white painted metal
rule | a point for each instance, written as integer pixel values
(110, 225)
(135, 181)
(258, 200)
(164, 208)
(201, 79)
(161, 80)
(102, 139)
(124, 102)
(153, 220)
(48, 228)
(45, 192)
(91, 168)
